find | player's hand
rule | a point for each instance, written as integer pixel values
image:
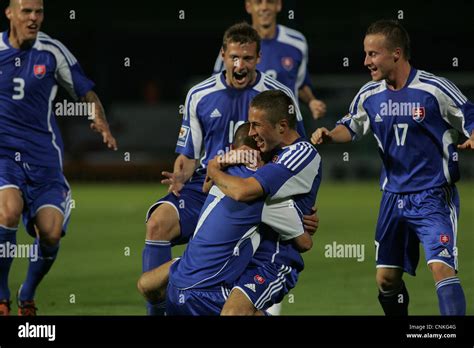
(318, 108)
(102, 127)
(467, 145)
(175, 180)
(311, 222)
(320, 136)
(206, 187)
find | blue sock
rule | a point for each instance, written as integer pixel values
(154, 255)
(451, 297)
(38, 268)
(7, 239)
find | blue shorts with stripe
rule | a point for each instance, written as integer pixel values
(41, 187)
(266, 285)
(405, 220)
(188, 206)
(209, 301)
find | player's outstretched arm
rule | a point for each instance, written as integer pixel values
(184, 168)
(468, 144)
(239, 189)
(100, 124)
(317, 107)
(340, 134)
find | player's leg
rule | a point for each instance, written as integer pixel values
(451, 298)
(162, 227)
(46, 215)
(437, 232)
(393, 295)
(390, 240)
(152, 284)
(238, 303)
(49, 226)
(170, 221)
(11, 206)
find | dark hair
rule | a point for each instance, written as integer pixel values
(395, 34)
(277, 105)
(241, 33)
(242, 137)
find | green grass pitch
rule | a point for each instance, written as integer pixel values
(100, 258)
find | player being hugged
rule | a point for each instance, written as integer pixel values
(416, 118)
(32, 184)
(214, 109)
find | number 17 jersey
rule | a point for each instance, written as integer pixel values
(416, 128)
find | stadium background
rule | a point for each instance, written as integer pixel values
(100, 258)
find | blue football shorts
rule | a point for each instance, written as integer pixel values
(428, 217)
(188, 206)
(41, 187)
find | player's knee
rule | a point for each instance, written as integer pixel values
(441, 271)
(151, 293)
(157, 229)
(387, 282)
(9, 217)
(141, 286)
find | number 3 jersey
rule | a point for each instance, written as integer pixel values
(28, 86)
(416, 128)
(214, 111)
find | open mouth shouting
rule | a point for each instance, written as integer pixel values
(240, 77)
(33, 29)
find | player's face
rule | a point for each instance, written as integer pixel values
(240, 62)
(262, 131)
(379, 59)
(26, 17)
(263, 12)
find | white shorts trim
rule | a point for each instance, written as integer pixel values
(9, 228)
(9, 186)
(49, 206)
(152, 207)
(441, 261)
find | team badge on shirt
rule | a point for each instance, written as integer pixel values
(288, 63)
(418, 114)
(183, 136)
(259, 279)
(39, 71)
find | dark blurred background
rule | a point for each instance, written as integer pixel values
(168, 55)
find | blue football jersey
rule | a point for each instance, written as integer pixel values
(214, 111)
(227, 236)
(294, 173)
(28, 86)
(284, 57)
(416, 129)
